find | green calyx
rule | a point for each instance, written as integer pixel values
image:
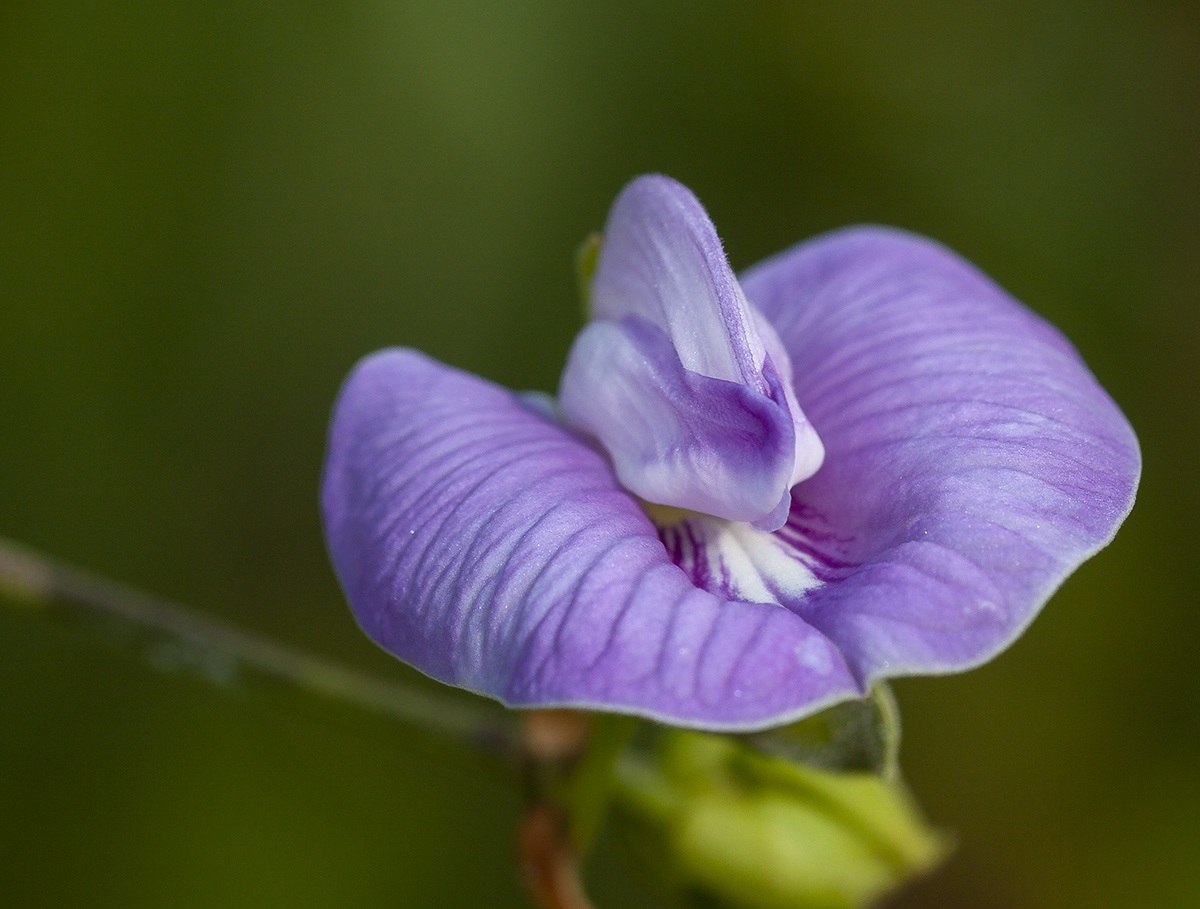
(722, 822)
(586, 256)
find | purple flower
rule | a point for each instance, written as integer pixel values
(751, 500)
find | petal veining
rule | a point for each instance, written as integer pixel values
(973, 460)
(973, 463)
(490, 548)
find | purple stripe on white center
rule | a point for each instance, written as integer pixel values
(733, 560)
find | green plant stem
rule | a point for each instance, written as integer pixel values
(175, 638)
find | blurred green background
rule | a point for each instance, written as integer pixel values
(207, 214)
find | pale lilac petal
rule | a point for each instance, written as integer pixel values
(662, 260)
(490, 548)
(677, 437)
(810, 450)
(662, 266)
(972, 460)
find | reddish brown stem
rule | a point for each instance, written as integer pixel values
(548, 860)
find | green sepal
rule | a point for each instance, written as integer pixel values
(881, 812)
(586, 256)
(723, 823)
(862, 734)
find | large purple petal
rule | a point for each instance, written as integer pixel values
(491, 549)
(972, 460)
